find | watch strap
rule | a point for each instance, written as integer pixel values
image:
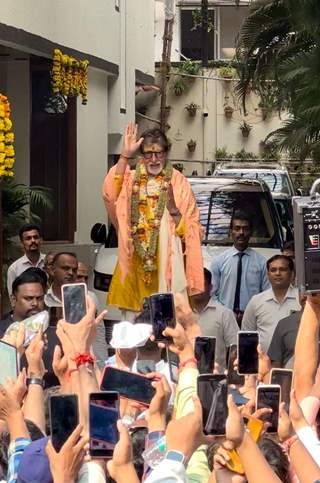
(178, 456)
(34, 380)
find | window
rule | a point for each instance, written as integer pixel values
(191, 41)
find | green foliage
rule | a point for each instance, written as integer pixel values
(227, 72)
(179, 86)
(280, 42)
(197, 20)
(222, 153)
(244, 155)
(190, 67)
(18, 204)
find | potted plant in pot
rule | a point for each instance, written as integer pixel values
(245, 128)
(227, 73)
(179, 87)
(192, 109)
(191, 145)
(228, 111)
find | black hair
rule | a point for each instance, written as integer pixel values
(211, 450)
(281, 257)
(34, 431)
(240, 215)
(289, 245)
(138, 437)
(39, 272)
(207, 276)
(155, 135)
(58, 255)
(28, 277)
(28, 227)
(276, 458)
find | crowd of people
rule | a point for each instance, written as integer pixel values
(240, 291)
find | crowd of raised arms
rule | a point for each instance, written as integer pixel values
(213, 380)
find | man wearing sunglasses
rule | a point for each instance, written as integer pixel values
(154, 211)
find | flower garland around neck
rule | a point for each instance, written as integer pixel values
(144, 228)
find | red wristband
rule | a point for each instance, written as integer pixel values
(187, 361)
(82, 359)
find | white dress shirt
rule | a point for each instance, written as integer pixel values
(19, 266)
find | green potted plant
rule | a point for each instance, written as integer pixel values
(179, 87)
(227, 73)
(228, 111)
(192, 109)
(221, 153)
(245, 128)
(191, 145)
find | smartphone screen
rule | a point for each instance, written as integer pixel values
(173, 361)
(8, 362)
(233, 376)
(74, 302)
(248, 360)
(204, 351)
(283, 377)
(162, 314)
(128, 384)
(269, 397)
(103, 417)
(213, 393)
(64, 418)
(144, 366)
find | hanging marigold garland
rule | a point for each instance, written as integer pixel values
(145, 230)
(69, 76)
(6, 139)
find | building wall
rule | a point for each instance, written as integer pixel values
(82, 25)
(210, 128)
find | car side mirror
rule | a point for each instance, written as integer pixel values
(98, 233)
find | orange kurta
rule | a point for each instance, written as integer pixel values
(118, 205)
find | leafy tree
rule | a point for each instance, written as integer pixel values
(279, 45)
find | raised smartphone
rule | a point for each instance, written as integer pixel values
(268, 396)
(128, 384)
(213, 393)
(283, 377)
(162, 314)
(173, 361)
(64, 418)
(8, 362)
(248, 359)
(103, 417)
(233, 376)
(74, 302)
(204, 351)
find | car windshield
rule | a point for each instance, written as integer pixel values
(217, 207)
(277, 182)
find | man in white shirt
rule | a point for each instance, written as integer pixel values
(215, 320)
(30, 238)
(264, 310)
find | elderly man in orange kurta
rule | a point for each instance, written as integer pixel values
(156, 217)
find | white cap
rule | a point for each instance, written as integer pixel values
(126, 335)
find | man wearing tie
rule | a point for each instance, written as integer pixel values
(239, 272)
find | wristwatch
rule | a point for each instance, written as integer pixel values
(34, 380)
(174, 455)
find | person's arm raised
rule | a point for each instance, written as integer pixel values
(130, 145)
(251, 457)
(120, 467)
(306, 349)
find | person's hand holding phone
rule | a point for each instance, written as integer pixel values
(120, 467)
(235, 428)
(34, 354)
(82, 334)
(156, 414)
(182, 345)
(18, 388)
(65, 464)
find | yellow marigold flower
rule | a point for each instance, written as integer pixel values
(9, 137)
(2, 157)
(2, 147)
(7, 124)
(1, 137)
(9, 150)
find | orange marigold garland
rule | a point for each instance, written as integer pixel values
(6, 138)
(69, 76)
